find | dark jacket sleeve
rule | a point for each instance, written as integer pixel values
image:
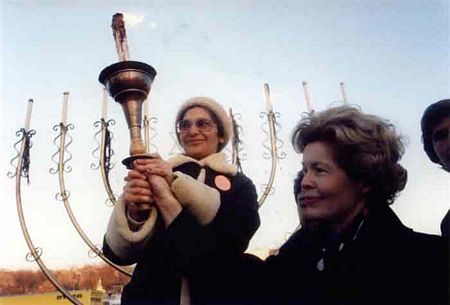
(138, 254)
(112, 257)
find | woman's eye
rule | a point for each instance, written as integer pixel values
(185, 125)
(202, 124)
(319, 170)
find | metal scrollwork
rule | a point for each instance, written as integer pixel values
(35, 253)
(94, 253)
(265, 188)
(67, 168)
(279, 143)
(272, 136)
(55, 155)
(104, 145)
(61, 148)
(64, 196)
(272, 151)
(267, 152)
(109, 202)
(106, 153)
(33, 256)
(151, 134)
(237, 144)
(95, 152)
(25, 168)
(176, 147)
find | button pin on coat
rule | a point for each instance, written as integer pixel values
(222, 183)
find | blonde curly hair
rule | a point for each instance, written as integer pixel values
(366, 146)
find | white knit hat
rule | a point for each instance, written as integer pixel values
(208, 103)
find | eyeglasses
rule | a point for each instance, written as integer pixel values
(203, 125)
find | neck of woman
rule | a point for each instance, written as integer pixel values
(343, 231)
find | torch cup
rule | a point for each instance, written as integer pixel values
(129, 82)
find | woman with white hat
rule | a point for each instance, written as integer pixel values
(206, 208)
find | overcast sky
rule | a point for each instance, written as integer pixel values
(392, 55)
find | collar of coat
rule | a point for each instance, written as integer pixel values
(378, 227)
(217, 162)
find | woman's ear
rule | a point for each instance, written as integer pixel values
(221, 140)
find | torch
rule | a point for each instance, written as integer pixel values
(128, 82)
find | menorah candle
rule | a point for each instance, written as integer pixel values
(64, 111)
(146, 108)
(344, 93)
(105, 104)
(307, 96)
(28, 116)
(267, 98)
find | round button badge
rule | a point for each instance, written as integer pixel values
(222, 183)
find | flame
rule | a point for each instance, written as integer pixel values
(133, 20)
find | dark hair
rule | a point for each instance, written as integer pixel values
(432, 116)
(365, 146)
(220, 130)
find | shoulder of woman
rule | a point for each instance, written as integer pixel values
(180, 159)
(242, 179)
(219, 163)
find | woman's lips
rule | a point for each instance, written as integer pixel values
(194, 141)
(309, 200)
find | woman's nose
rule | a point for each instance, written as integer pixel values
(193, 129)
(307, 181)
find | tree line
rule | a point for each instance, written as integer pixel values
(86, 277)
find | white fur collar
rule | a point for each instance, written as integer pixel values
(217, 161)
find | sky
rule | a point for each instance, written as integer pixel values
(392, 55)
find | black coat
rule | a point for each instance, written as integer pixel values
(181, 249)
(385, 263)
(445, 225)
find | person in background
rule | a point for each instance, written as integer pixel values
(207, 210)
(435, 125)
(351, 247)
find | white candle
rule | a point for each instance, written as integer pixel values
(28, 116)
(146, 108)
(267, 98)
(64, 111)
(105, 104)
(307, 96)
(146, 127)
(344, 93)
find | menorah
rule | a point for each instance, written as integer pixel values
(128, 82)
(22, 159)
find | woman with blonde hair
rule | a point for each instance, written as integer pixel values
(351, 248)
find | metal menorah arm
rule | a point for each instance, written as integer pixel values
(150, 133)
(35, 253)
(64, 196)
(236, 142)
(273, 156)
(105, 155)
